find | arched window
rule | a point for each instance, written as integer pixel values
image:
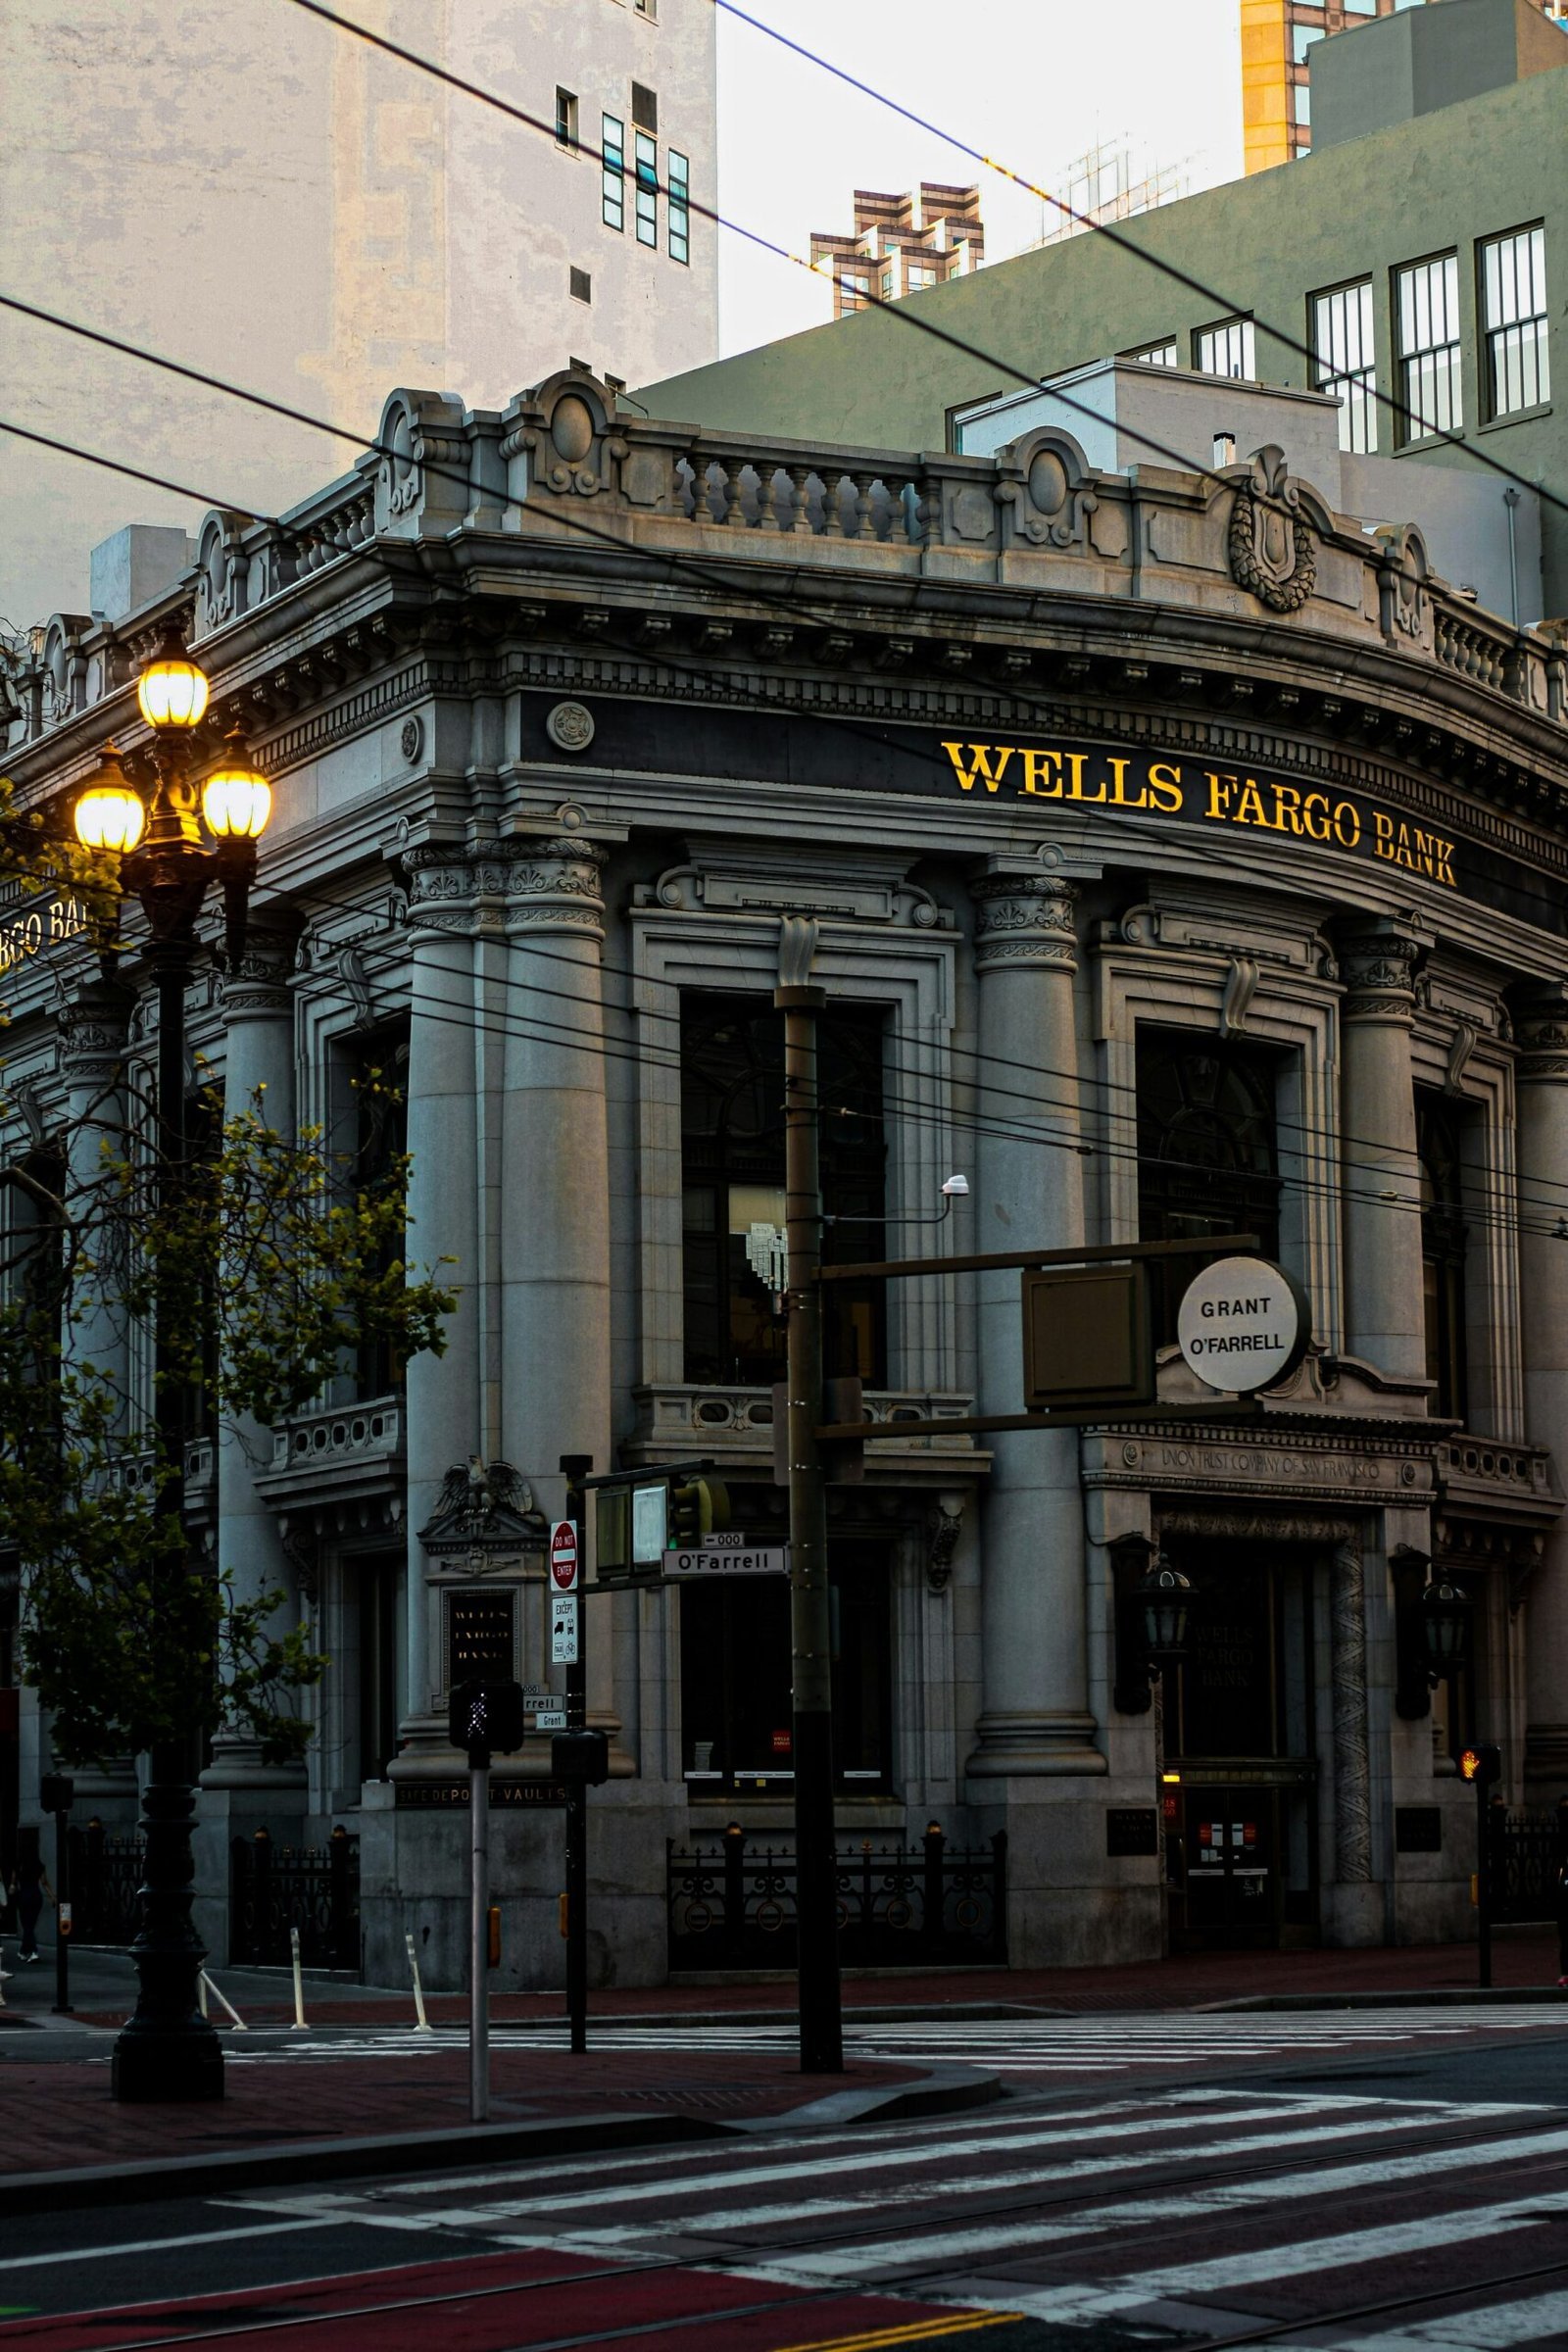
(1207, 1161)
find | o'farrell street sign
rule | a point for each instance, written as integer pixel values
(711, 1559)
(1243, 1324)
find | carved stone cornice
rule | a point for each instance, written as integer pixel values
(1378, 963)
(94, 1028)
(257, 988)
(556, 885)
(1024, 919)
(1541, 1025)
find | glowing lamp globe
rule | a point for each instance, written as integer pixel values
(109, 814)
(170, 690)
(236, 798)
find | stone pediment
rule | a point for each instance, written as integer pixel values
(483, 1511)
(1336, 1385)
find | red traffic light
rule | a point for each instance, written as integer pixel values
(1481, 1765)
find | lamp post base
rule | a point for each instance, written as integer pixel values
(166, 2065)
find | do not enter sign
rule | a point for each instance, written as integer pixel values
(563, 1556)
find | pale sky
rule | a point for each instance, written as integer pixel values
(1033, 83)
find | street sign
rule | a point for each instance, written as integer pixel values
(566, 1555)
(707, 1559)
(563, 1629)
(1243, 1324)
(550, 1719)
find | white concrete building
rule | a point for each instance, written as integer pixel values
(260, 195)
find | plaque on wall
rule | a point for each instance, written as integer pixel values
(1131, 1830)
(447, 1796)
(480, 1625)
(1418, 1829)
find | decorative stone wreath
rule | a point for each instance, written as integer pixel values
(1280, 596)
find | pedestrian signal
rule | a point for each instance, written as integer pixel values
(1481, 1765)
(484, 1717)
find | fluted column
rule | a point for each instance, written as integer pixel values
(1384, 1320)
(1540, 1024)
(444, 1424)
(94, 1030)
(1035, 1716)
(258, 1077)
(555, 1209)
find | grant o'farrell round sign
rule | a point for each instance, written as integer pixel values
(1243, 1324)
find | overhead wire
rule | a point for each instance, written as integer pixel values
(1124, 243)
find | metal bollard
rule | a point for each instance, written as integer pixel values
(425, 2026)
(298, 2026)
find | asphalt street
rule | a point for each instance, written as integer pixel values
(1236, 2181)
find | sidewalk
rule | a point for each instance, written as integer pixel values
(1523, 1958)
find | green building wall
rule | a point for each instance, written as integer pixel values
(1262, 245)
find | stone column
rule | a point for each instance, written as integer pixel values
(444, 1424)
(94, 1030)
(258, 1077)
(1384, 1320)
(1035, 1716)
(1540, 1024)
(554, 1208)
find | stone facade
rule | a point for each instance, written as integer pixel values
(566, 711)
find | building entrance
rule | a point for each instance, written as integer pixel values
(1241, 1776)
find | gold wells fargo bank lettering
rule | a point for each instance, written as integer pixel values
(1108, 780)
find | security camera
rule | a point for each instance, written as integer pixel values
(956, 1188)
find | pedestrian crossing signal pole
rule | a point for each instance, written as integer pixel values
(576, 1467)
(1482, 1767)
(810, 1622)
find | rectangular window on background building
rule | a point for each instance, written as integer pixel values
(680, 216)
(1426, 316)
(647, 158)
(1302, 37)
(1154, 355)
(613, 201)
(1513, 298)
(1343, 361)
(1226, 349)
(566, 119)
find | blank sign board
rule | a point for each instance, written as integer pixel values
(1086, 1338)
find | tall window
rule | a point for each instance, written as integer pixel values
(646, 155)
(613, 198)
(736, 1726)
(1438, 1133)
(1427, 304)
(732, 1159)
(1343, 361)
(380, 1130)
(566, 119)
(378, 1580)
(1206, 1156)
(680, 202)
(1226, 349)
(1154, 355)
(1513, 293)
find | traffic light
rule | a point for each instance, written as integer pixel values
(1481, 1765)
(580, 1756)
(484, 1717)
(697, 1510)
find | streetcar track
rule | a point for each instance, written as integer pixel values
(610, 2271)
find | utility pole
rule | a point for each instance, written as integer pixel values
(577, 1467)
(811, 1620)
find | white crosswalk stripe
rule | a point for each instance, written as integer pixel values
(1027, 2047)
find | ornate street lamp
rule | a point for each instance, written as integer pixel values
(1165, 1597)
(1448, 1614)
(169, 2050)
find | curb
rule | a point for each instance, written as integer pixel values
(1460, 1996)
(944, 2091)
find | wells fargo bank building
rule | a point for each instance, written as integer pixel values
(1184, 859)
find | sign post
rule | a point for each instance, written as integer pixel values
(56, 1794)
(1481, 1766)
(566, 1646)
(483, 1717)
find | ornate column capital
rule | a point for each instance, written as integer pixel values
(556, 884)
(1024, 918)
(257, 987)
(94, 1030)
(1541, 1025)
(1376, 962)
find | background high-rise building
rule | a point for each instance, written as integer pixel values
(1277, 39)
(901, 244)
(261, 195)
